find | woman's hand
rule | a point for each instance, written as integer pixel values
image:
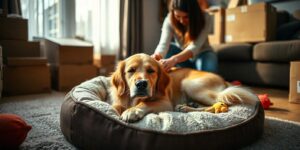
(156, 56)
(168, 63)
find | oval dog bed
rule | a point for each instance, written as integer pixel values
(88, 121)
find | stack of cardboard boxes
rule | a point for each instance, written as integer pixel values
(71, 62)
(24, 71)
(247, 23)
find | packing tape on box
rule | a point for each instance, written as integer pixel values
(228, 38)
(244, 9)
(230, 18)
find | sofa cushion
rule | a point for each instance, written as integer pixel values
(279, 51)
(256, 73)
(288, 31)
(283, 17)
(234, 51)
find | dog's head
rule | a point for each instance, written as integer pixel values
(140, 77)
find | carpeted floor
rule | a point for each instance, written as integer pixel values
(42, 113)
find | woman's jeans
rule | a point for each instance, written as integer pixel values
(206, 60)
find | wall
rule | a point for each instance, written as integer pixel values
(151, 25)
(289, 6)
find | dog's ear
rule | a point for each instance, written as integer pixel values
(118, 79)
(162, 82)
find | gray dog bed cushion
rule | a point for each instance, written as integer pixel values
(88, 121)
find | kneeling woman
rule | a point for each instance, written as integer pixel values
(188, 26)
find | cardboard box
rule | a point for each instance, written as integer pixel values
(105, 60)
(217, 37)
(14, 48)
(236, 3)
(13, 29)
(253, 23)
(26, 80)
(294, 95)
(68, 51)
(65, 77)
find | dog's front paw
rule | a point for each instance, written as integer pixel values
(182, 108)
(132, 114)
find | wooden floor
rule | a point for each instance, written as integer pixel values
(281, 107)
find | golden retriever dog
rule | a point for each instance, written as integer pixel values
(140, 86)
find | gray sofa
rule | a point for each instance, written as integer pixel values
(263, 64)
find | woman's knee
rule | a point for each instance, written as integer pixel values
(207, 61)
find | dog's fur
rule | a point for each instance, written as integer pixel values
(140, 86)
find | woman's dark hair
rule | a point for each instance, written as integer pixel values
(196, 19)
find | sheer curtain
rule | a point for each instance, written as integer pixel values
(33, 11)
(49, 18)
(97, 21)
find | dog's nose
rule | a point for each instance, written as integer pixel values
(141, 84)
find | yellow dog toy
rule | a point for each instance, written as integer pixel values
(218, 107)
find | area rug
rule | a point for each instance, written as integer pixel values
(42, 113)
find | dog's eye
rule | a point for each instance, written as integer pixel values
(131, 70)
(150, 70)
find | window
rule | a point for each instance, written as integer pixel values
(97, 21)
(49, 18)
(38, 24)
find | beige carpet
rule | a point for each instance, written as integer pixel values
(42, 113)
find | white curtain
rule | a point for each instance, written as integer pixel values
(97, 21)
(49, 18)
(33, 11)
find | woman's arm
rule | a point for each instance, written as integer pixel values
(178, 58)
(165, 39)
(192, 49)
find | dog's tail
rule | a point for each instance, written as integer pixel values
(237, 95)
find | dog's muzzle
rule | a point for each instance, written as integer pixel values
(141, 88)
